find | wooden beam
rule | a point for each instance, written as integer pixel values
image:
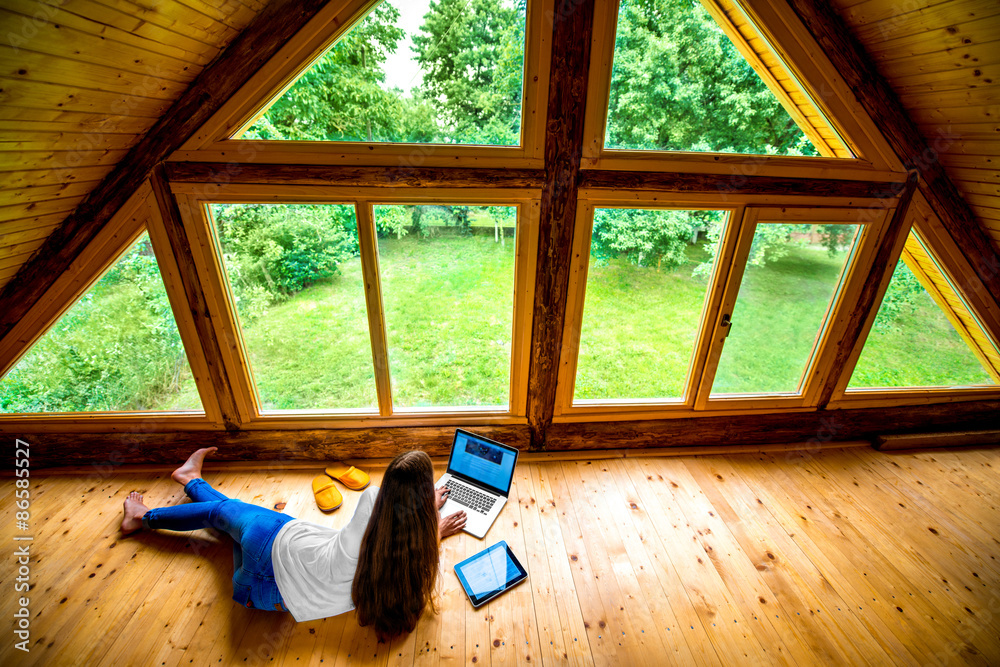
(812, 431)
(875, 284)
(267, 33)
(387, 177)
(913, 149)
(573, 24)
(734, 184)
(195, 298)
(817, 427)
(886, 443)
(52, 449)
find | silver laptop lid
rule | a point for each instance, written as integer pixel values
(482, 462)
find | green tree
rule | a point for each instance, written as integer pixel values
(472, 56)
(342, 96)
(680, 84)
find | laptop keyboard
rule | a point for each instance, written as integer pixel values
(470, 497)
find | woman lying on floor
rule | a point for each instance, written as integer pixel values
(384, 562)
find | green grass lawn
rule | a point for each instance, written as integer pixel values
(449, 302)
(920, 349)
(778, 314)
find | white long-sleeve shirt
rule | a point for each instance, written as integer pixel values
(314, 565)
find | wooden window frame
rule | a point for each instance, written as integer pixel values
(836, 103)
(194, 199)
(213, 142)
(845, 397)
(138, 216)
(871, 214)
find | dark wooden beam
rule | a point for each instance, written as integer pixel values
(381, 177)
(814, 428)
(573, 24)
(195, 298)
(852, 62)
(876, 282)
(734, 184)
(266, 34)
(106, 451)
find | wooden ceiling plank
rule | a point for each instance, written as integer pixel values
(46, 38)
(175, 17)
(25, 209)
(33, 94)
(35, 234)
(12, 140)
(49, 19)
(185, 37)
(58, 159)
(867, 12)
(872, 91)
(25, 65)
(952, 36)
(233, 14)
(31, 178)
(968, 55)
(234, 66)
(925, 18)
(45, 192)
(19, 248)
(13, 118)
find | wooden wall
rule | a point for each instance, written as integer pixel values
(943, 61)
(80, 82)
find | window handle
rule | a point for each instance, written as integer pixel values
(727, 323)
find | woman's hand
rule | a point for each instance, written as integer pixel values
(440, 496)
(451, 524)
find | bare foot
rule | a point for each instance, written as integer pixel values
(134, 509)
(192, 467)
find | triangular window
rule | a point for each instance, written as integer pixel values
(924, 334)
(695, 76)
(411, 71)
(117, 348)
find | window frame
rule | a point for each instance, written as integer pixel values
(873, 216)
(194, 201)
(835, 104)
(213, 141)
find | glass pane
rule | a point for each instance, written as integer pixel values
(678, 83)
(912, 343)
(295, 275)
(445, 72)
(792, 275)
(646, 286)
(117, 348)
(447, 275)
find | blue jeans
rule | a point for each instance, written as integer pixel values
(253, 529)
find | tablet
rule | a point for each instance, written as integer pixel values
(489, 573)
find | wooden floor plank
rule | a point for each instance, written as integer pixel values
(670, 551)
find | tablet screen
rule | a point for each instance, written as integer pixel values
(489, 573)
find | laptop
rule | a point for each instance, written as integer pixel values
(478, 478)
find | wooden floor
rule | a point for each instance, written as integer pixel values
(847, 556)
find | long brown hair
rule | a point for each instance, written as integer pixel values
(398, 562)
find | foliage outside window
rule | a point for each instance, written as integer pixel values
(117, 348)
(646, 285)
(295, 274)
(791, 278)
(912, 343)
(447, 277)
(679, 84)
(446, 72)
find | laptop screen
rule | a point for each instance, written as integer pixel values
(486, 462)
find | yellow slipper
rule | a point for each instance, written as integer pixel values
(328, 498)
(349, 476)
